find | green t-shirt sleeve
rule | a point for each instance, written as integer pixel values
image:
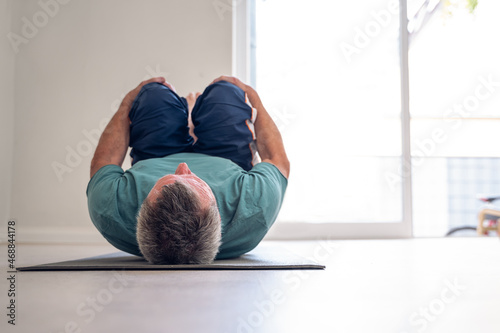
(105, 203)
(262, 192)
(101, 196)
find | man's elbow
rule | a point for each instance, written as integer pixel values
(285, 170)
(93, 168)
(282, 163)
(96, 164)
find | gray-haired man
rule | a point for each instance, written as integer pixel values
(195, 191)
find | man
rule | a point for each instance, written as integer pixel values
(195, 191)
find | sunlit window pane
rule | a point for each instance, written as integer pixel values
(328, 72)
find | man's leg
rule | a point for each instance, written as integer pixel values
(223, 123)
(159, 123)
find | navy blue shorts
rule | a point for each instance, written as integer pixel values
(222, 117)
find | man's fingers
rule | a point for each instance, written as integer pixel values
(216, 80)
(170, 86)
(159, 79)
(230, 79)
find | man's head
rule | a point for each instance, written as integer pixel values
(179, 222)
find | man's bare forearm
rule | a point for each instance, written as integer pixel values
(114, 141)
(269, 140)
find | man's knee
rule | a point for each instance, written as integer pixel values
(221, 104)
(225, 86)
(155, 96)
(225, 93)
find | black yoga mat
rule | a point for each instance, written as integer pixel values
(263, 257)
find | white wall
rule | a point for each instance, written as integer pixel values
(70, 77)
(7, 64)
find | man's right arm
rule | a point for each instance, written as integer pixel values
(269, 141)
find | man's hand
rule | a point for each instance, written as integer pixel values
(114, 141)
(233, 80)
(269, 141)
(128, 100)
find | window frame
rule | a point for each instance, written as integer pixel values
(241, 68)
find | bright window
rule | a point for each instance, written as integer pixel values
(330, 74)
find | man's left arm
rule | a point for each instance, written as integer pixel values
(114, 141)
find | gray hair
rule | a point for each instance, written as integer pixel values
(176, 229)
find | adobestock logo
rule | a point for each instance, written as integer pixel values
(88, 310)
(291, 282)
(428, 314)
(282, 117)
(224, 6)
(454, 117)
(30, 28)
(363, 36)
(75, 155)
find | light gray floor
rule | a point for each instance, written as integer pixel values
(419, 285)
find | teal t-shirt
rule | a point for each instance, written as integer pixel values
(248, 201)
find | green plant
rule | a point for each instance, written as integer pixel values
(450, 6)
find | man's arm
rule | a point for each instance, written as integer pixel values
(114, 141)
(269, 141)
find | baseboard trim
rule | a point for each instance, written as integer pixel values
(62, 235)
(281, 231)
